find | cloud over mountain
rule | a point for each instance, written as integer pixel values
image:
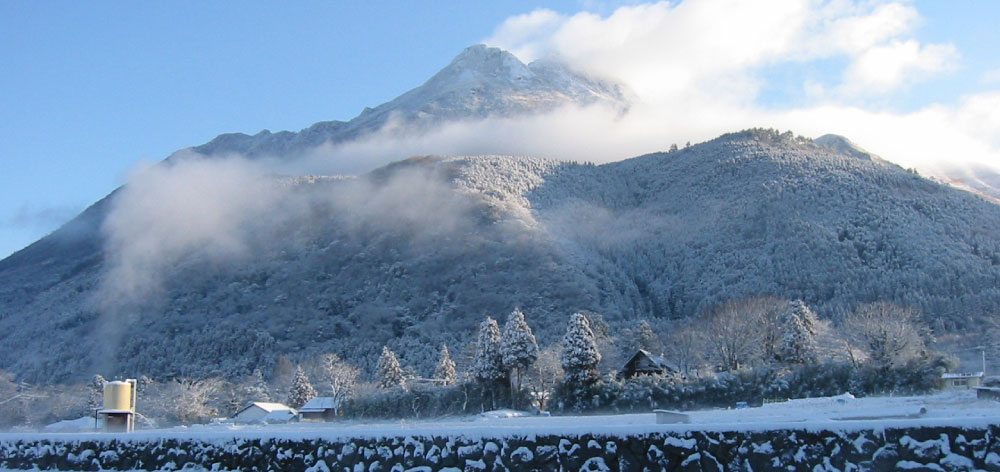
(701, 67)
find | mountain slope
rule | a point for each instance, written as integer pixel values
(391, 258)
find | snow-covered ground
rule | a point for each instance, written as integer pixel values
(843, 412)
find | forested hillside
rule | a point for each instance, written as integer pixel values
(419, 252)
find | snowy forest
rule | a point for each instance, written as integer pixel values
(748, 350)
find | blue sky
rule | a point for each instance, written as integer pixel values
(89, 89)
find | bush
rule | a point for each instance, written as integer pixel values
(431, 401)
(724, 389)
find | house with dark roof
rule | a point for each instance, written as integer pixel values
(645, 363)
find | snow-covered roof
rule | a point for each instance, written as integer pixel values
(318, 404)
(268, 407)
(961, 375)
(280, 416)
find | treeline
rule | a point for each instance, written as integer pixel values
(749, 350)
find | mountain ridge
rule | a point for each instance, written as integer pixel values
(480, 82)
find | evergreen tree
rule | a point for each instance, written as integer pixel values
(96, 386)
(518, 348)
(808, 317)
(142, 384)
(302, 391)
(580, 355)
(446, 367)
(799, 330)
(487, 366)
(388, 373)
(798, 344)
(256, 387)
(641, 336)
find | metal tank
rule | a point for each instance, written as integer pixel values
(118, 396)
(119, 406)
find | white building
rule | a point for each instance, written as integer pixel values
(263, 412)
(961, 380)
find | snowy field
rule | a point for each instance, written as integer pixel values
(842, 412)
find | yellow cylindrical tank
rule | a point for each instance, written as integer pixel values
(117, 395)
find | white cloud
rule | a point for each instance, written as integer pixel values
(173, 208)
(530, 30)
(854, 29)
(663, 50)
(883, 68)
(698, 66)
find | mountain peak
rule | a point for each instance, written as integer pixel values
(480, 82)
(486, 61)
(842, 145)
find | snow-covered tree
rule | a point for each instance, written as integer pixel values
(281, 377)
(338, 378)
(142, 385)
(183, 401)
(302, 390)
(580, 355)
(640, 336)
(487, 366)
(388, 373)
(518, 348)
(798, 344)
(767, 313)
(889, 334)
(735, 334)
(686, 346)
(543, 376)
(256, 387)
(96, 386)
(446, 367)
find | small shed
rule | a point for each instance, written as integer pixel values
(962, 380)
(645, 363)
(259, 412)
(319, 409)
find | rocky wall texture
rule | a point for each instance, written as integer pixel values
(920, 449)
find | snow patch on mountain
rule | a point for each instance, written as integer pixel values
(481, 82)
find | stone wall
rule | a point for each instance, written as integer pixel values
(922, 449)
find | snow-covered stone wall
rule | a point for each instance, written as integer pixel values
(924, 448)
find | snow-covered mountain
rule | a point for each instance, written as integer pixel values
(418, 252)
(444, 242)
(480, 82)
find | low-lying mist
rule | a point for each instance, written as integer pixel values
(221, 210)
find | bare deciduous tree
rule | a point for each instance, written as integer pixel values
(183, 401)
(336, 378)
(741, 332)
(685, 346)
(889, 334)
(543, 376)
